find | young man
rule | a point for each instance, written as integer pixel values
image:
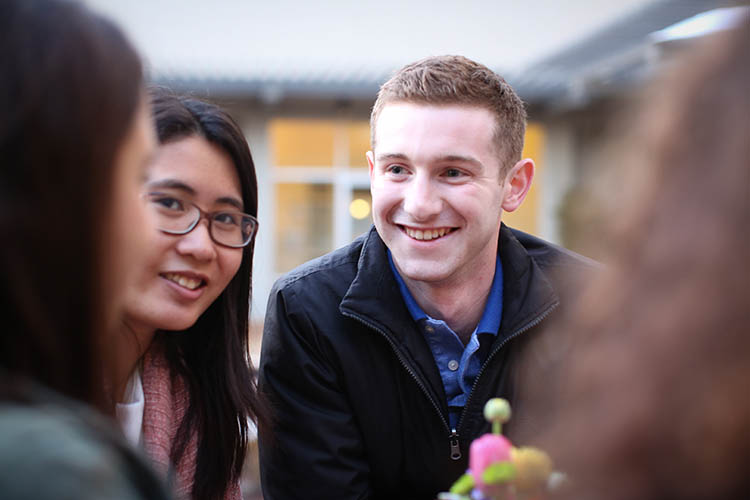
(378, 357)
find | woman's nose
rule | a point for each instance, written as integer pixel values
(198, 243)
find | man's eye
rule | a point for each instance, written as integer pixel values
(396, 169)
(453, 172)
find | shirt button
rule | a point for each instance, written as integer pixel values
(453, 365)
(429, 329)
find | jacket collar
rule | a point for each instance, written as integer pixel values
(528, 293)
(374, 296)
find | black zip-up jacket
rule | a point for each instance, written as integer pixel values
(359, 405)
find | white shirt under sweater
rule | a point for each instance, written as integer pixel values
(129, 412)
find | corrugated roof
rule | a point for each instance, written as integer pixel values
(339, 48)
(616, 53)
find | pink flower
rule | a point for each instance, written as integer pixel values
(484, 451)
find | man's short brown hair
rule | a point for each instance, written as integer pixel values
(456, 80)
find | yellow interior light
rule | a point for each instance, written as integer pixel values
(359, 208)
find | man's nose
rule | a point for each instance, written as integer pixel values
(422, 200)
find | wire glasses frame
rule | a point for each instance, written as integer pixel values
(175, 215)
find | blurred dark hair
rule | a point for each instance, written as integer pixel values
(213, 354)
(656, 401)
(69, 89)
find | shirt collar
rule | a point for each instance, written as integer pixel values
(490, 321)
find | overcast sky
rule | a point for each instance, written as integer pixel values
(242, 38)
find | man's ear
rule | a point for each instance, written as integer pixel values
(370, 162)
(517, 184)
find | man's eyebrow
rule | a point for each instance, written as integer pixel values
(392, 156)
(450, 158)
(459, 159)
(171, 184)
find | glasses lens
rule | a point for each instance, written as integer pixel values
(233, 229)
(173, 215)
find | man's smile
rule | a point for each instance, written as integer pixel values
(426, 234)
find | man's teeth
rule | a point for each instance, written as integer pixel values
(426, 234)
(189, 283)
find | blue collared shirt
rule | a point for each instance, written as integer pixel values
(459, 365)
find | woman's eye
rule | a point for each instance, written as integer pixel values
(169, 203)
(226, 218)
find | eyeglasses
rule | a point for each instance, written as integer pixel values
(175, 215)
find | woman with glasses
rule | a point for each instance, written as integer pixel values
(187, 389)
(75, 138)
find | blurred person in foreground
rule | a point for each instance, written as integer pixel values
(75, 137)
(379, 357)
(657, 402)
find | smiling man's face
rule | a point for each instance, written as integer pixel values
(437, 190)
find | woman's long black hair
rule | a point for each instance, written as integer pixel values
(70, 84)
(213, 354)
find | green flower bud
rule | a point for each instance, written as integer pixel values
(497, 410)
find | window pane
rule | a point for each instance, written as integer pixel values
(302, 142)
(359, 143)
(304, 223)
(525, 218)
(360, 210)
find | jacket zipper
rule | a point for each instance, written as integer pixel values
(453, 436)
(528, 326)
(455, 449)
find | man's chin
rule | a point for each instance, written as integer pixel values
(424, 271)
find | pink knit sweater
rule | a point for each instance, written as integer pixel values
(165, 406)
